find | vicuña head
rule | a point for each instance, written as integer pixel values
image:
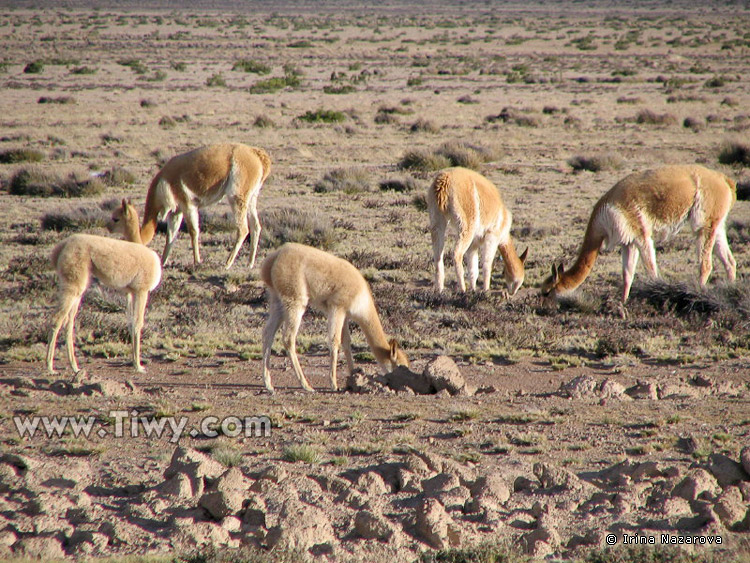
(473, 204)
(199, 178)
(298, 276)
(127, 266)
(645, 203)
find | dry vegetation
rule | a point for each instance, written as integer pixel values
(358, 109)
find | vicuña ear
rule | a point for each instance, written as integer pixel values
(124, 204)
(524, 255)
(554, 273)
(560, 270)
(393, 349)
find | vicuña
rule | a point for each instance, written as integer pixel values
(473, 204)
(648, 203)
(298, 276)
(129, 267)
(202, 177)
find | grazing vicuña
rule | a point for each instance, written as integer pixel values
(126, 266)
(298, 276)
(473, 204)
(656, 201)
(199, 178)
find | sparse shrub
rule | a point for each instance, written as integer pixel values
(118, 177)
(419, 202)
(134, 64)
(249, 65)
(648, 117)
(678, 297)
(301, 452)
(424, 126)
(629, 100)
(401, 185)
(735, 153)
(34, 67)
(384, 118)
(609, 161)
(58, 100)
(424, 161)
(83, 70)
(178, 66)
(743, 192)
(296, 225)
(263, 121)
(414, 81)
(216, 80)
(467, 100)
(342, 89)
(715, 82)
(146, 103)
(167, 122)
(322, 116)
(12, 156)
(693, 123)
(34, 182)
(289, 80)
(513, 116)
(80, 219)
(347, 180)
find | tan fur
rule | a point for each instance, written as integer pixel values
(298, 276)
(473, 204)
(126, 266)
(653, 202)
(199, 178)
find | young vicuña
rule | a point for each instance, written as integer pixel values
(473, 204)
(656, 201)
(298, 276)
(126, 266)
(199, 178)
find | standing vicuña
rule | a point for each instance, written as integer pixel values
(199, 178)
(654, 201)
(473, 204)
(126, 266)
(297, 276)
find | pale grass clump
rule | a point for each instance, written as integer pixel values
(352, 180)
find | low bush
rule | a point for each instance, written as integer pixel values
(648, 117)
(34, 67)
(401, 185)
(249, 65)
(322, 116)
(424, 126)
(13, 156)
(347, 180)
(735, 153)
(295, 225)
(262, 121)
(63, 100)
(599, 163)
(35, 182)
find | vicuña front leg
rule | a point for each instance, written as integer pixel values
(292, 320)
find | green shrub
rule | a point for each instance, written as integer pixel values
(83, 70)
(34, 182)
(13, 156)
(249, 65)
(322, 116)
(64, 100)
(216, 80)
(35, 67)
(134, 64)
(289, 80)
(301, 452)
(347, 180)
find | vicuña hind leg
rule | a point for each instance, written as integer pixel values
(725, 254)
(292, 319)
(489, 249)
(629, 262)
(70, 337)
(346, 342)
(254, 225)
(269, 332)
(62, 315)
(706, 241)
(463, 244)
(139, 311)
(173, 228)
(239, 209)
(336, 321)
(437, 233)
(191, 216)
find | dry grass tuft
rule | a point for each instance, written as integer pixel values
(13, 156)
(352, 180)
(685, 300)
(424, 126)
(648, 117)
(295, 225)
(599, 163)
(401, 185)
(450, 154)
(733, 152)
(35, 182)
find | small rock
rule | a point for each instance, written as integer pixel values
(194, 464)
(540, 542)
(372, 527)
(181, 486)
(435, 526)
(221, 503)
(444, 374)
(726, 470)
(273, 473)
(643, 390)
(372, 483)
(255, 511)
(44, 548)
(551, 477)
(523, 484)
(579, 387)
(302, 527)
(403, 378)
(698, 482)
(439, 483)
(745, 459)
(731, 508)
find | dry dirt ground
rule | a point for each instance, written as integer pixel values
(583, 423)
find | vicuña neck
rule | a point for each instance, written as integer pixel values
(510, 259)
(579, 271)
(375, 335)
